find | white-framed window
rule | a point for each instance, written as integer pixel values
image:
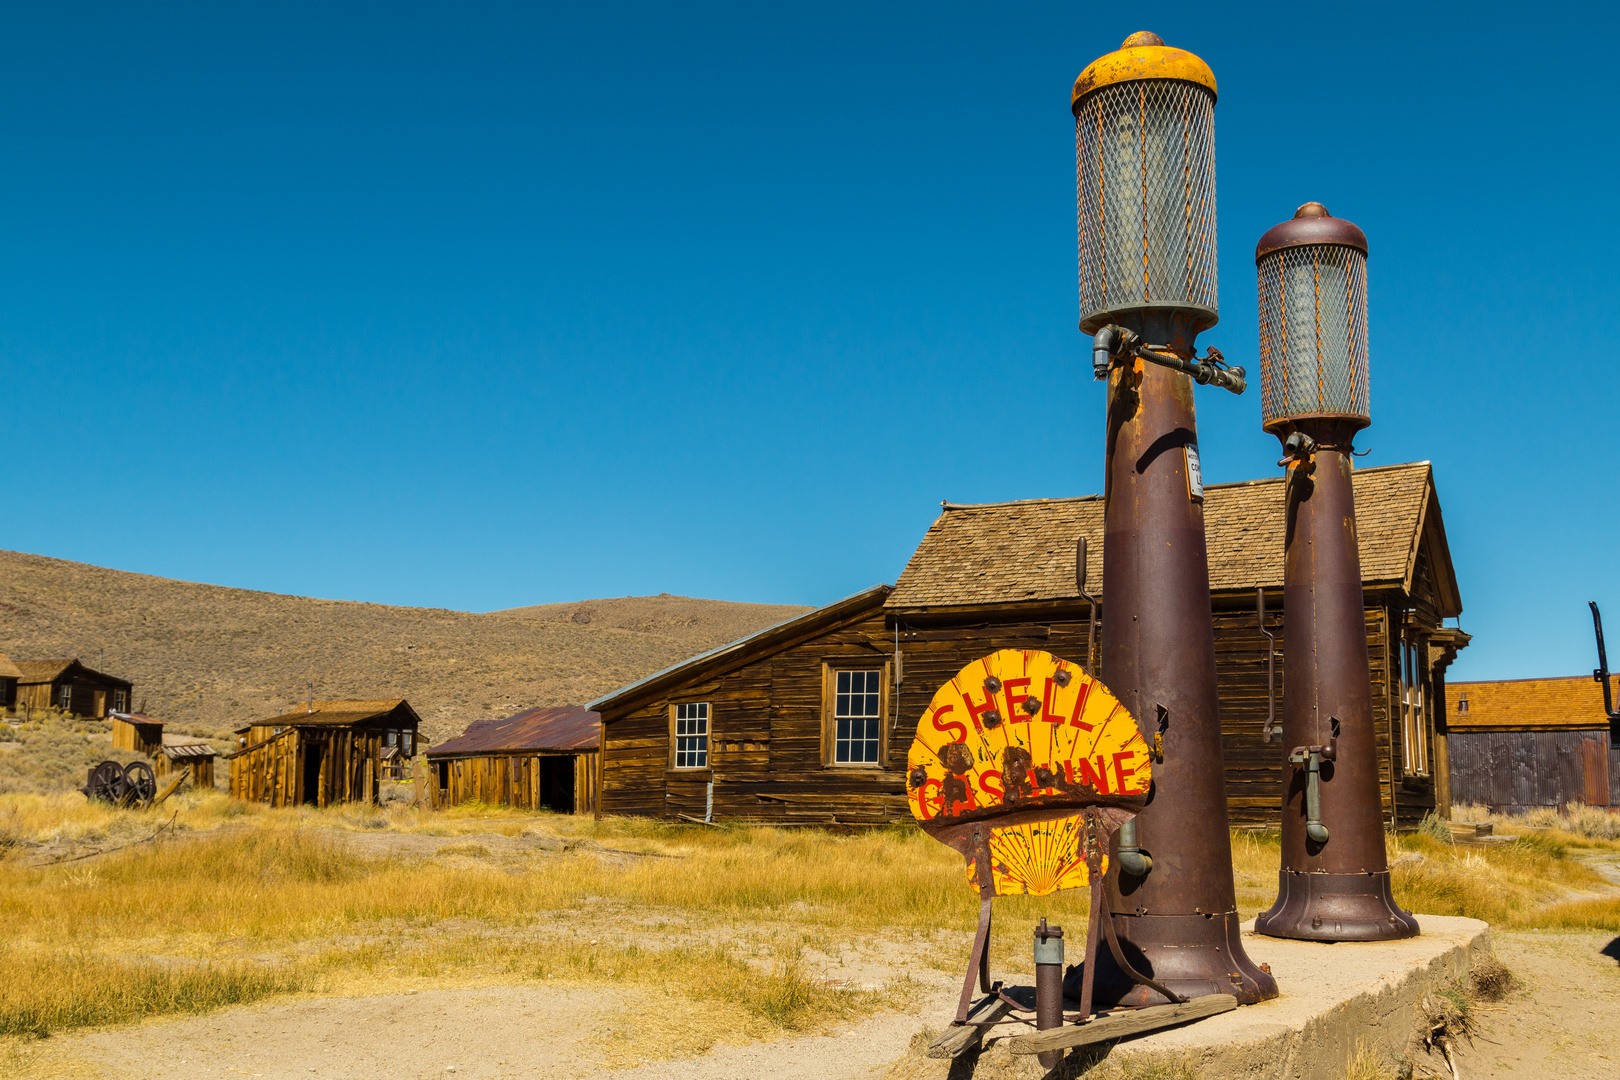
(64, 696)
(857, 716)
(118, 701)
(689, 735)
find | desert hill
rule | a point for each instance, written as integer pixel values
(206, 658)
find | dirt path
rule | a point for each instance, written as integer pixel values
(485, 1034)
(1565, 1022)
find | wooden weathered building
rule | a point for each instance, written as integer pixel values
(169, 752)
(71, 687)
(1519, 744)
(811, 720)
(538, 759)
(9, 674)
(324, 753)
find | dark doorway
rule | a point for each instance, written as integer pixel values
(557, 783)
(313, 752)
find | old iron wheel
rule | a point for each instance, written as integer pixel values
(141, 782)
(105, 781)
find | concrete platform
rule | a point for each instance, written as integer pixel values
(1334, 998)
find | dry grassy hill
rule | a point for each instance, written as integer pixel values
(207, 658)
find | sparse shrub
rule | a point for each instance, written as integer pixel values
(1431, 825)
(1490, 978)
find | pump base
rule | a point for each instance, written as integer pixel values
(1335, 907)
(1192, 955)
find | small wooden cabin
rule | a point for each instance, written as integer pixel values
(70, 686)
(137, 732)
(169, 752)
(811, 720)
(538, 759)
(9, 674)
(324, 753)
(1519, 744)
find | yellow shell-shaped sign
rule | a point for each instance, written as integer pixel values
(1024, 735)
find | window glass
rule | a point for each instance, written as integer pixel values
(856, 717)
(692, 735)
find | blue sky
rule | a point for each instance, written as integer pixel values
(476, 306)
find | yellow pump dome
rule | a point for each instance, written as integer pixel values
(1143, 55)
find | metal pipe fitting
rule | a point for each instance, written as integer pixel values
(1049, 984)
(1311, 758)
(1132, 859)
(1108, 343)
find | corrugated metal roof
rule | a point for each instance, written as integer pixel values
(136, 718)
(188, 750)
(340, 713)
(568, 727)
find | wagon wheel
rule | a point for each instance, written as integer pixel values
(105, 782)
(141, 782)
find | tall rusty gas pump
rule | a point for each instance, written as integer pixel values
(1145, 174)
(1334, 881)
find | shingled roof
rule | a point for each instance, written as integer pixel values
(568, 727)
(997, 553)
(8, 670)
(1574, 701)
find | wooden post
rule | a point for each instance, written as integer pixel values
(421, 784)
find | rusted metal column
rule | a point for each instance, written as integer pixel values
(1178, 922)
(1145, 181)
(1334, 880)
(1049, 984)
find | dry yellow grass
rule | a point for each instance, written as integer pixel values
(234, 902)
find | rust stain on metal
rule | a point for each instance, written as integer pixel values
(564, 728)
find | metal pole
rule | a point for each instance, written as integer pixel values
(1336, 888)
(1179, 921)
(1049, 984)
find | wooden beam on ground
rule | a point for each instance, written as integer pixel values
(169, 788)
(1120, 1025)
(960, 1038)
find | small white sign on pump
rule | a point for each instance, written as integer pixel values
(1195, 474)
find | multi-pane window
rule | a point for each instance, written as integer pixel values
(857, 717)
(692, 735)
(118, 701)
(64, 696)
(1414, 736)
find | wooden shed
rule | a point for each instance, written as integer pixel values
(538, 759)
(811, 720)
(136, 731)
(9, 674)
(1519, 744)
(169, 752)
(70, 686)
(324, 753)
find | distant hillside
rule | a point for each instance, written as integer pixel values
(207, 658)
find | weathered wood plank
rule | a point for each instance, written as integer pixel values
(1121, 1025)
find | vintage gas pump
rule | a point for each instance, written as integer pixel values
(1334, 881)
(1145, 173)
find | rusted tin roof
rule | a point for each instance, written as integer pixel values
(341, 714)
(136, 718)
(568, 727)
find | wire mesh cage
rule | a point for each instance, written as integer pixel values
(1313, 334)
(1145, 184)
